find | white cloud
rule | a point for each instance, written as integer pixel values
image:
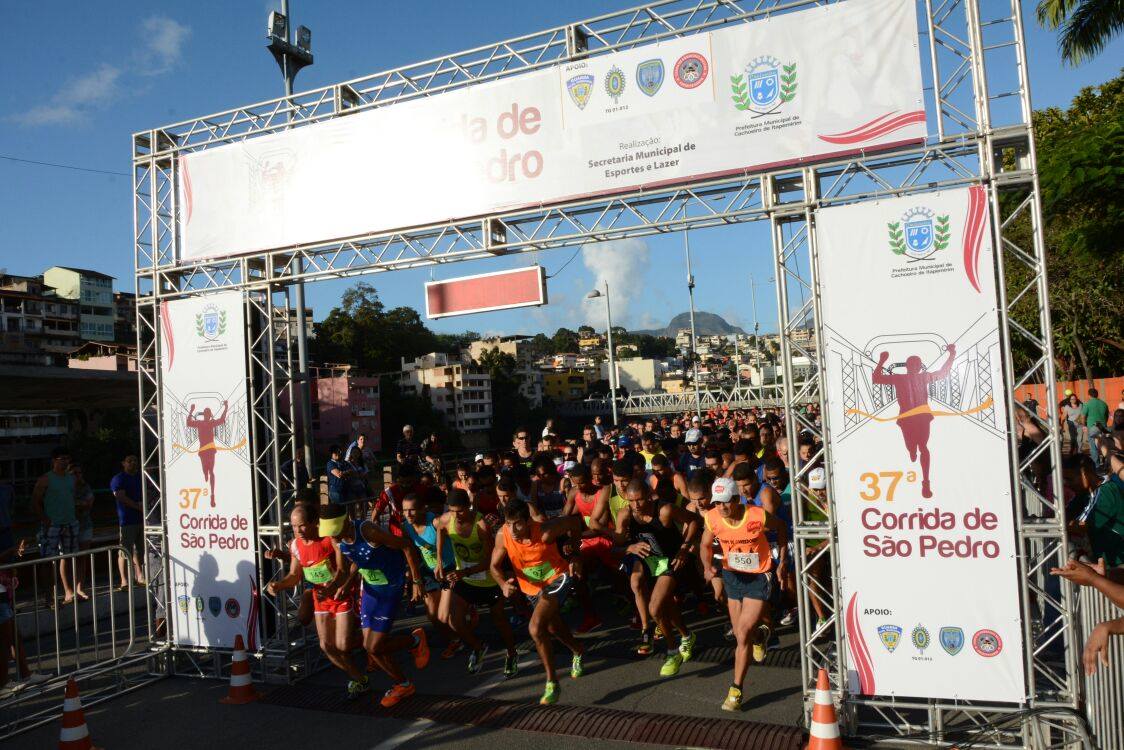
(76, 98)
(622, 263)
(161, 47)
(164, 39)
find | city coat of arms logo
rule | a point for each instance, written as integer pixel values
(764, 87)
(649, 76)
(211, 323)
(580, 89)
(890, 635)
(214, 605)
(952, 640)
(233, 609)
(615, 83)
(919, 234)
(184, 603)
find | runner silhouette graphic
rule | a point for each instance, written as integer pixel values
(914, 414)
(205, 426)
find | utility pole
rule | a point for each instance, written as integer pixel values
(291, 58)
(694, 340)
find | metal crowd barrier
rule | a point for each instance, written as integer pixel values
(1104, 691)
(98, 641)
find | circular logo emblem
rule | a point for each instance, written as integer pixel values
(987, 642)
(233, 608)
(691, 70)
(614, 83)
(920, 638)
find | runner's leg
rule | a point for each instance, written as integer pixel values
(637, 579)
(745, 627)
(327, 629)
(455, 619)
(539, 628)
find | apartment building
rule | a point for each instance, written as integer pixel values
(93, 291)
(460, 392)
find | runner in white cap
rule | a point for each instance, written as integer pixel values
(747, 568)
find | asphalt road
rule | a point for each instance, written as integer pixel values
(618, 687)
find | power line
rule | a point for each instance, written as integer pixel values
(62, 166)
(552, 275)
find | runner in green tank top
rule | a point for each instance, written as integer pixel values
(471, 582)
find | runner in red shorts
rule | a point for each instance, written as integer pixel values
(314, 561)
(591, 503)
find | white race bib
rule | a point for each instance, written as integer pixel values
(744, 562)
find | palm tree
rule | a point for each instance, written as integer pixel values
(1086, 25)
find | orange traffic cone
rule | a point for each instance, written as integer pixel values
(824, 732)
(241, 684)
(74, 734)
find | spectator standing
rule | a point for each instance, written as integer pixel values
(358, 444)
(337, 476)
(1094, 414)
(53, 501)
(294, 474)
(407, 451)
(126, 489)
(1103, 517)
(1070, 412)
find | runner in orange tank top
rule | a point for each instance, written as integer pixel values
(747, 568)
(543, 575)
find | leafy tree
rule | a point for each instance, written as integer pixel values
(1086, 25)
(1081, 166)
(586, 331)
(563, 341)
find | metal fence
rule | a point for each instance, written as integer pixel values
(97, 640)
(1104, 690)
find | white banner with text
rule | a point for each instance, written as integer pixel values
(917, 423)
(835, 80)
(207, 472)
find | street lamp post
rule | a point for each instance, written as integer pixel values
(694, 340)
(757, 326)
(291, 58)
(609, 340)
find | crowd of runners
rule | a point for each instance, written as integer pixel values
(654, 518)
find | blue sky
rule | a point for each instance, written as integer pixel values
(80, 78)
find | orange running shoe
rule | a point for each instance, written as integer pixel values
(452, 649)
(396, 693)
(420, 651)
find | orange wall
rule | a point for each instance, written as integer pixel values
(1109, 389)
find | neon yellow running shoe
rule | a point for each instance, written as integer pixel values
(576, 668)
(687, 647)
(671, 665)
(733, 700)
(550, 695)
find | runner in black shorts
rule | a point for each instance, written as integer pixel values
(657, 561)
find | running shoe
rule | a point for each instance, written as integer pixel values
(510, 666)
(645, 647)
(789, 618)
(452, 649)
(728, 634)
(687, 646)
(733, 700)
(576, 668)
(550, 695)
(396, 693)
(588, 623)
(671, 665)
(421, 650)
(763, 634)
(476, 659)
(356, 688)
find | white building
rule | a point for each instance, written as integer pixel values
(767, 373)
(636, 373)
(461, 393)
(93, 291)
(519, 347)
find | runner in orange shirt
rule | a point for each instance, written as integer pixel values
(543, 575)
(747, 568)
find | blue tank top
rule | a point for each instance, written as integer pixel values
(426, 543)
(381, 568)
